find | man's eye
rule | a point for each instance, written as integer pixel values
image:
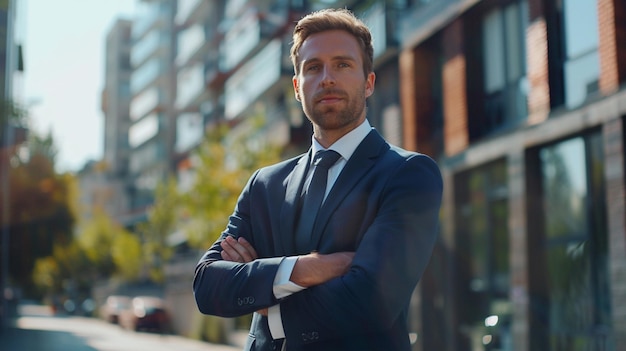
(344, 65)
(312, 68)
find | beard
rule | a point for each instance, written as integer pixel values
(336, 116)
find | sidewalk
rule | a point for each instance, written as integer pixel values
(18, 339)
(37, 329)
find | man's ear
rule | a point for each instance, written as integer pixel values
(369, 84)
(294, 80)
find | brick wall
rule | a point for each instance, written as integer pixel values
(612, 44)
(416, 89)
(537, 63)
(407, 99)
(456, 132)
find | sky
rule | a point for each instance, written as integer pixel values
(63, 45)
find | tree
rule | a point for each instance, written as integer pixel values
(162, 218)
(39, 206)
(110, 249)
(223, 164)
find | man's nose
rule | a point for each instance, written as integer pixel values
(328, 77)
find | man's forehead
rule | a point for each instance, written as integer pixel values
(329, 44)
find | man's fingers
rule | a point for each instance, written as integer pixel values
(238, 250)
(250, 250)
(227, 257)
(229, 253)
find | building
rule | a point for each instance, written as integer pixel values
(13, 132)
(151, 133)
(115, 102)
(528, 98)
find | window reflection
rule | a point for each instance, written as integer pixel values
(569, 273)
(483, 259)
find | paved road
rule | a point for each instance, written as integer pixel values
(38, 330)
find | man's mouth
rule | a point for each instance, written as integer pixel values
(329, 97)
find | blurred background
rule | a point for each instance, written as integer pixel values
(129, 127)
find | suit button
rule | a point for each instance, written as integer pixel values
(310, 336)
(248, 300)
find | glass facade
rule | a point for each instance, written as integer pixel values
(482, 254)
(504, 73)
(569, 271)
(582, 61)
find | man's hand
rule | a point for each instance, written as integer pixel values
(238, 250)
(314, 269)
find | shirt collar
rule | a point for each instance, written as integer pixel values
(348, 143)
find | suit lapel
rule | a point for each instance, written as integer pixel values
(358, 165)
(289, 210)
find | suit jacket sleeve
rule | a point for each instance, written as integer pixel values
(388, 263)
(231, 289)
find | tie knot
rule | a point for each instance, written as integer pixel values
(325, 159)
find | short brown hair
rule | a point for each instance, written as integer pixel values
(333, 19)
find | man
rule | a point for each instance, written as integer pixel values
(346, 283)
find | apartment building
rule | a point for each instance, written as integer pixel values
(115, 103)
(528, 98)
(152, 130)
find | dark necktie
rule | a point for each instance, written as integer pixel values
(313, 196)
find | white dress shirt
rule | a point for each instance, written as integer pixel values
(283, 287)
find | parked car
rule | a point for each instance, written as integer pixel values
(146, 313)
(113, 307)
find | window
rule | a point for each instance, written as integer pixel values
(582, 65)
(569, 268)
(573, 60)
(503, 32)
(482, 266)
(496, 79)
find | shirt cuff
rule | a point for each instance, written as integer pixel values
(275, 322)
(283, 287)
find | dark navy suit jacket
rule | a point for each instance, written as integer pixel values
(384, 206)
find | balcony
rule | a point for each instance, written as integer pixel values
(427, 16)
(196, 11)
(190, 43)
(185, 9)
(191, 84)
(150, 15)
(246, 34)
(153, 44)
(147, 101)
(265, 69)
(146, 74)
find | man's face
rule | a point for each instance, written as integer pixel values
(331, 85)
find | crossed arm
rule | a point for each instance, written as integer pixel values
(310, 270)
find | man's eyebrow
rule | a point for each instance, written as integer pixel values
(334, 58)
(344, 58)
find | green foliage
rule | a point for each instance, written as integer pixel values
(103, 249)
(39, 207)
(68, 263)
(162, 217)
(110, 248)
(223, 164)
(126, 255)
(46, 274)
(211, 328)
